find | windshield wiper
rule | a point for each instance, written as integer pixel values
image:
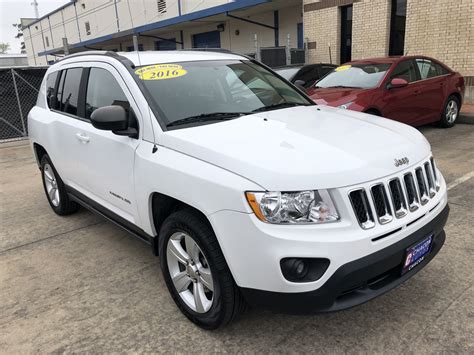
(280, 105)
(204, 117)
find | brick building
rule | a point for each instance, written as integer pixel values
(341, 30)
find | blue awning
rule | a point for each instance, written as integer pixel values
(212, 11)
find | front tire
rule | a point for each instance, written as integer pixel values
(450, 112)
(55, 190)
(196, 272)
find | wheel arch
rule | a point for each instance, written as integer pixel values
(161, 207)
(39, 151)
(458, 96)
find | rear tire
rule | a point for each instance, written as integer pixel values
(55, 190)
(450, 112)
(208, 295)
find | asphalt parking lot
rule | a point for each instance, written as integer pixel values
(80, 284)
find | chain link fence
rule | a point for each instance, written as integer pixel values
(18, 92)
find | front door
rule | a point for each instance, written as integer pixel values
(105, 161)
(401, 104)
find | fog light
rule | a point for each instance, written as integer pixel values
(294, 269)
(303, 269)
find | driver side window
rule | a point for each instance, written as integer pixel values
(405, 70)
(104, 90)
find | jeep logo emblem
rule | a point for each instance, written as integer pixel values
(402, 161)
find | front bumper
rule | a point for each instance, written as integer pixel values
(357, 281)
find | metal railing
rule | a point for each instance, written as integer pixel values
(18, 93)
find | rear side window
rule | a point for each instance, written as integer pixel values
(104, 90)
(405, 70)
(429, 69)
(68, 90)
(50, 86)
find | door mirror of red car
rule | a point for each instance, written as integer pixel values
(300, 84)
(397, 83)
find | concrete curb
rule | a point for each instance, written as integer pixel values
(466, 118)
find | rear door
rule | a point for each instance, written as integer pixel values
(65, 120)
(401, 104)
(432, 89)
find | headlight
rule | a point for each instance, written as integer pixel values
(293, 207)
(346, 105)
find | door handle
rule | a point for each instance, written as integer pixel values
(82, 137)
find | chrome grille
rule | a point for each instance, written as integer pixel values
(412, 195)
(430, 178)
(422, 189)
(396, 198)
(381, 204)
(362, 209)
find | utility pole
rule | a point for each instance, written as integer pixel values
(35, 5)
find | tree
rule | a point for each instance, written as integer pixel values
(19, 35)
(4, 47)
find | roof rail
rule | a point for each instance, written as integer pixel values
(106, 53)
(220, 50)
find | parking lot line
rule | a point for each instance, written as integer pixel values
(460, 180)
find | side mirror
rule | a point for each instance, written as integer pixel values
(113, 118)
(397, 83)
(300, 84)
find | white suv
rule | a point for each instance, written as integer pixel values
(248, 191)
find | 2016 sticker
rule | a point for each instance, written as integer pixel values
(342, 68)
(161, 72)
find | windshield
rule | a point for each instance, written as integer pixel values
(364, 76)
(288, 73)
(208, 91)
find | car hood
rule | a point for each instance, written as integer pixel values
(336, 96)
(305, 147)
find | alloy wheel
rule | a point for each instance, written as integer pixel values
(51, 185)
(190, 272)
(451, 111)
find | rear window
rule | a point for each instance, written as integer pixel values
(50, 86)
(68, 90)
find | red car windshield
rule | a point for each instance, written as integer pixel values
(363, 76)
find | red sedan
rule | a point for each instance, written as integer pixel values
(413, 89)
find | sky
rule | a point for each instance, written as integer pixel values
(12, 10)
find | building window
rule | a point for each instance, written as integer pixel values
(88, 28)
(47, 41)
(299, 35)
(161, 6)
(169, 45)
(397, 27)
(131, 49)
(346, 33)
(207, 40)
